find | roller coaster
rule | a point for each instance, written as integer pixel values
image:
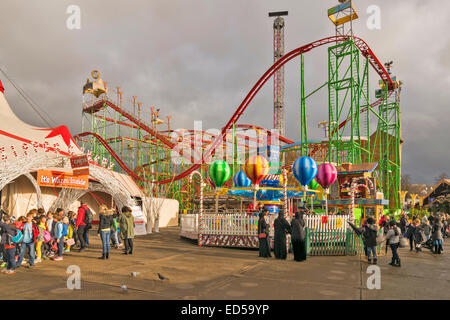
(118, 129)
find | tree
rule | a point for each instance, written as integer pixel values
(441, 177)
(406, 182)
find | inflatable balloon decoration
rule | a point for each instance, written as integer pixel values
(326, 176)
(313, 185)
(240, 180)
(304, 170)
(219, 172)
(256, 169)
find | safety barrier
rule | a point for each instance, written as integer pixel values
(335, 243)
(325, 235)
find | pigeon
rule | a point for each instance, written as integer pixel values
(161, 277)
(124, 288)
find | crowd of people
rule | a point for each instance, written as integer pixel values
(281, 228)
(47, 235)
(428, 232)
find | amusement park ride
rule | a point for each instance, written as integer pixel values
(140, 143)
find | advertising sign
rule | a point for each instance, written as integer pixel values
(47, 178)
(139, 221)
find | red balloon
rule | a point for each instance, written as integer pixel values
(326, 175)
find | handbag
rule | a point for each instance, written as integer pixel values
(262, 235)
(47, 236)
(381, 238)
(70, 242)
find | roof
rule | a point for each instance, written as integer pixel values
(447, 181)
(356, 168)
(129, 184)
(19, 138)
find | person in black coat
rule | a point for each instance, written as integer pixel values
(409, 234)
(280, 228)
(263, 235)
(298, 237)
(403, 223)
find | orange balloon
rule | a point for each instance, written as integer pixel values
(256, 168)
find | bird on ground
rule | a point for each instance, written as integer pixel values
(161, 277)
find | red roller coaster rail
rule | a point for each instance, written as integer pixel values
(360, 44)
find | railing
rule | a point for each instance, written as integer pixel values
(325, 235)
(243, 224)
(335, 242)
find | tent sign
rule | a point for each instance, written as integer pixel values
(79, 162)
(47, 178)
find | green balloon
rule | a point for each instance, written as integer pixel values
(313, 184)
(219, 172)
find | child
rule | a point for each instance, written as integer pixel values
(41, 227)
(8, 231)
(29, 237)
(115, 232)
(72, 229)
(19, 246)
(61, 227)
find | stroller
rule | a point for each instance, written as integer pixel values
(50, 248)
(428, 244)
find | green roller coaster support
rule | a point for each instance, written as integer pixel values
(347, 85)
(304, 127)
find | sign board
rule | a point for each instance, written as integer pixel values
(79, 162)
(80, 165)
(139, 221)
(47, 178)
(81, 172)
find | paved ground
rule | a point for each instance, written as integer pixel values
(222, 273)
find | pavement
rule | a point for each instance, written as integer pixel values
(225, 274)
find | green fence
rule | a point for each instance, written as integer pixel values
(335, 243)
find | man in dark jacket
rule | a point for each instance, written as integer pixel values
(370, 232)
(280, 227)
(82, 227)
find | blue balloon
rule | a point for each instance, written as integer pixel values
(304, 170)
(240, 180)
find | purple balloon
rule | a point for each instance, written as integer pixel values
(326, 175)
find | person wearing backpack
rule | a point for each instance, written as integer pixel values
(84, 219)
(7, 231)
(29, 237)
(62, 230)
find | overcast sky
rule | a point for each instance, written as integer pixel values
(197, 59)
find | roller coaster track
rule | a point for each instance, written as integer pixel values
(360, 44)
